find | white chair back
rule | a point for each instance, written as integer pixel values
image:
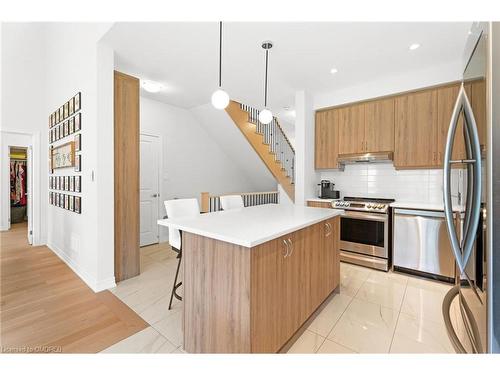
(231, 202)
(180, 208)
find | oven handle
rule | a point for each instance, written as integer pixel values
(372, 217)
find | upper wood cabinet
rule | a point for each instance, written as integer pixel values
(447, 97)
(477, 97)
(326, 140)
(379, 125)
(351, 129)
(415, 144)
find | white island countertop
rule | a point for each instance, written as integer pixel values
(252, 226)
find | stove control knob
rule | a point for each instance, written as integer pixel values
(370, 206)
(381, 206)
(347, 204)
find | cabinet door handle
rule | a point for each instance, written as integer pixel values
(291, 246)
(287, 249)
(329, 227)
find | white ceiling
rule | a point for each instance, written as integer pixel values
(184, 56)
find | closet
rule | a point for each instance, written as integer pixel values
(18, 185)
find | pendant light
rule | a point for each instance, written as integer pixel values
(220, 98)
(266, 116)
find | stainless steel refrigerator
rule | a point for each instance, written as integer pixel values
(475, 241)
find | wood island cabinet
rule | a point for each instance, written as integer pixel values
(287, 289)
(253, 300)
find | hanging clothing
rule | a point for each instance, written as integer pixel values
(18, 183)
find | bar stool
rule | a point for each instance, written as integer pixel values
(179, 208)
(231, 202)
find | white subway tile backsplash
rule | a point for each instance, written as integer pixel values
(384, 181)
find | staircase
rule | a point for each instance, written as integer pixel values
(270, 143)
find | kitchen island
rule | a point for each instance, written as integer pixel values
(253, 276)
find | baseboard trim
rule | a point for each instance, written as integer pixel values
(95, 285)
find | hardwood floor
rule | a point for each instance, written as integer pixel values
(45, 306)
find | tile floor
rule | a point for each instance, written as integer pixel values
(375, 312)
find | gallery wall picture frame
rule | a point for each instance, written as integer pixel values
(78, 184)
(78, 205)
(71, 203)
(77, 101)
(63, 156)
(78, 142)
(61, 113)
(78, 122)
(71, 183)
(71, 104)
(57, 116)
(78, 163)
(71, 125)
(66, 110)
(51, 197)
(66, 201)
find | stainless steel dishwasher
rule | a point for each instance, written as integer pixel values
(421, 244)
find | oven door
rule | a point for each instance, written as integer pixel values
(365, 233)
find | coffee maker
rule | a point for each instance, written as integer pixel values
(326, 190)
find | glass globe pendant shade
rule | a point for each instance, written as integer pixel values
(265, 116)
(220, 99)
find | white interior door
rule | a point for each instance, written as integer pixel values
(150, 189)
(29, 194)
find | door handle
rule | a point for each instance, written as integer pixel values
(291, 246)
(329, 227)
(287, 249)
(463, 250)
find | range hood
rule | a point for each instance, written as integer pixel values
(369, 157)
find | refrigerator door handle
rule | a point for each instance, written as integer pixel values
(463, 250)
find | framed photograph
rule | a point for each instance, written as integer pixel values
(71, 105)
(66, 110)
(51, 181)
(56, 117)
(56, 133)
(78, 122)
(77, 102)
(61, 113)
(56, 182)
(66, 128)
(50, 197)
(78, 163)
(71, 125)
(56, 199)
(78, 142)
(50, 121)
(78, 205)
(66, 183)
(63, 156)
(66, 201)
(71, 203)
(71, 183)
(78, 184)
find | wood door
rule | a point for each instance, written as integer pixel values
(379, 125)
(269, 327)
(149, 189)
(326, 140)
(447, 97)
(126, 173)
(351, 123)
(478, 103)
(415, 143)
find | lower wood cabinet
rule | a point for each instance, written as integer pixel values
(290, 278)
(319, 204)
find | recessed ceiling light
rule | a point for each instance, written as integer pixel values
(151, 86)
(333, 70)
(414, 46)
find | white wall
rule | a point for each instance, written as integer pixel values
(233, 143)
(192, 162)
(306, 177)
(390, 85)
(23, 113)
(383, 181)
(74, 62)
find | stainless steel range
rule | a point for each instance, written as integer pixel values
(365, 231)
